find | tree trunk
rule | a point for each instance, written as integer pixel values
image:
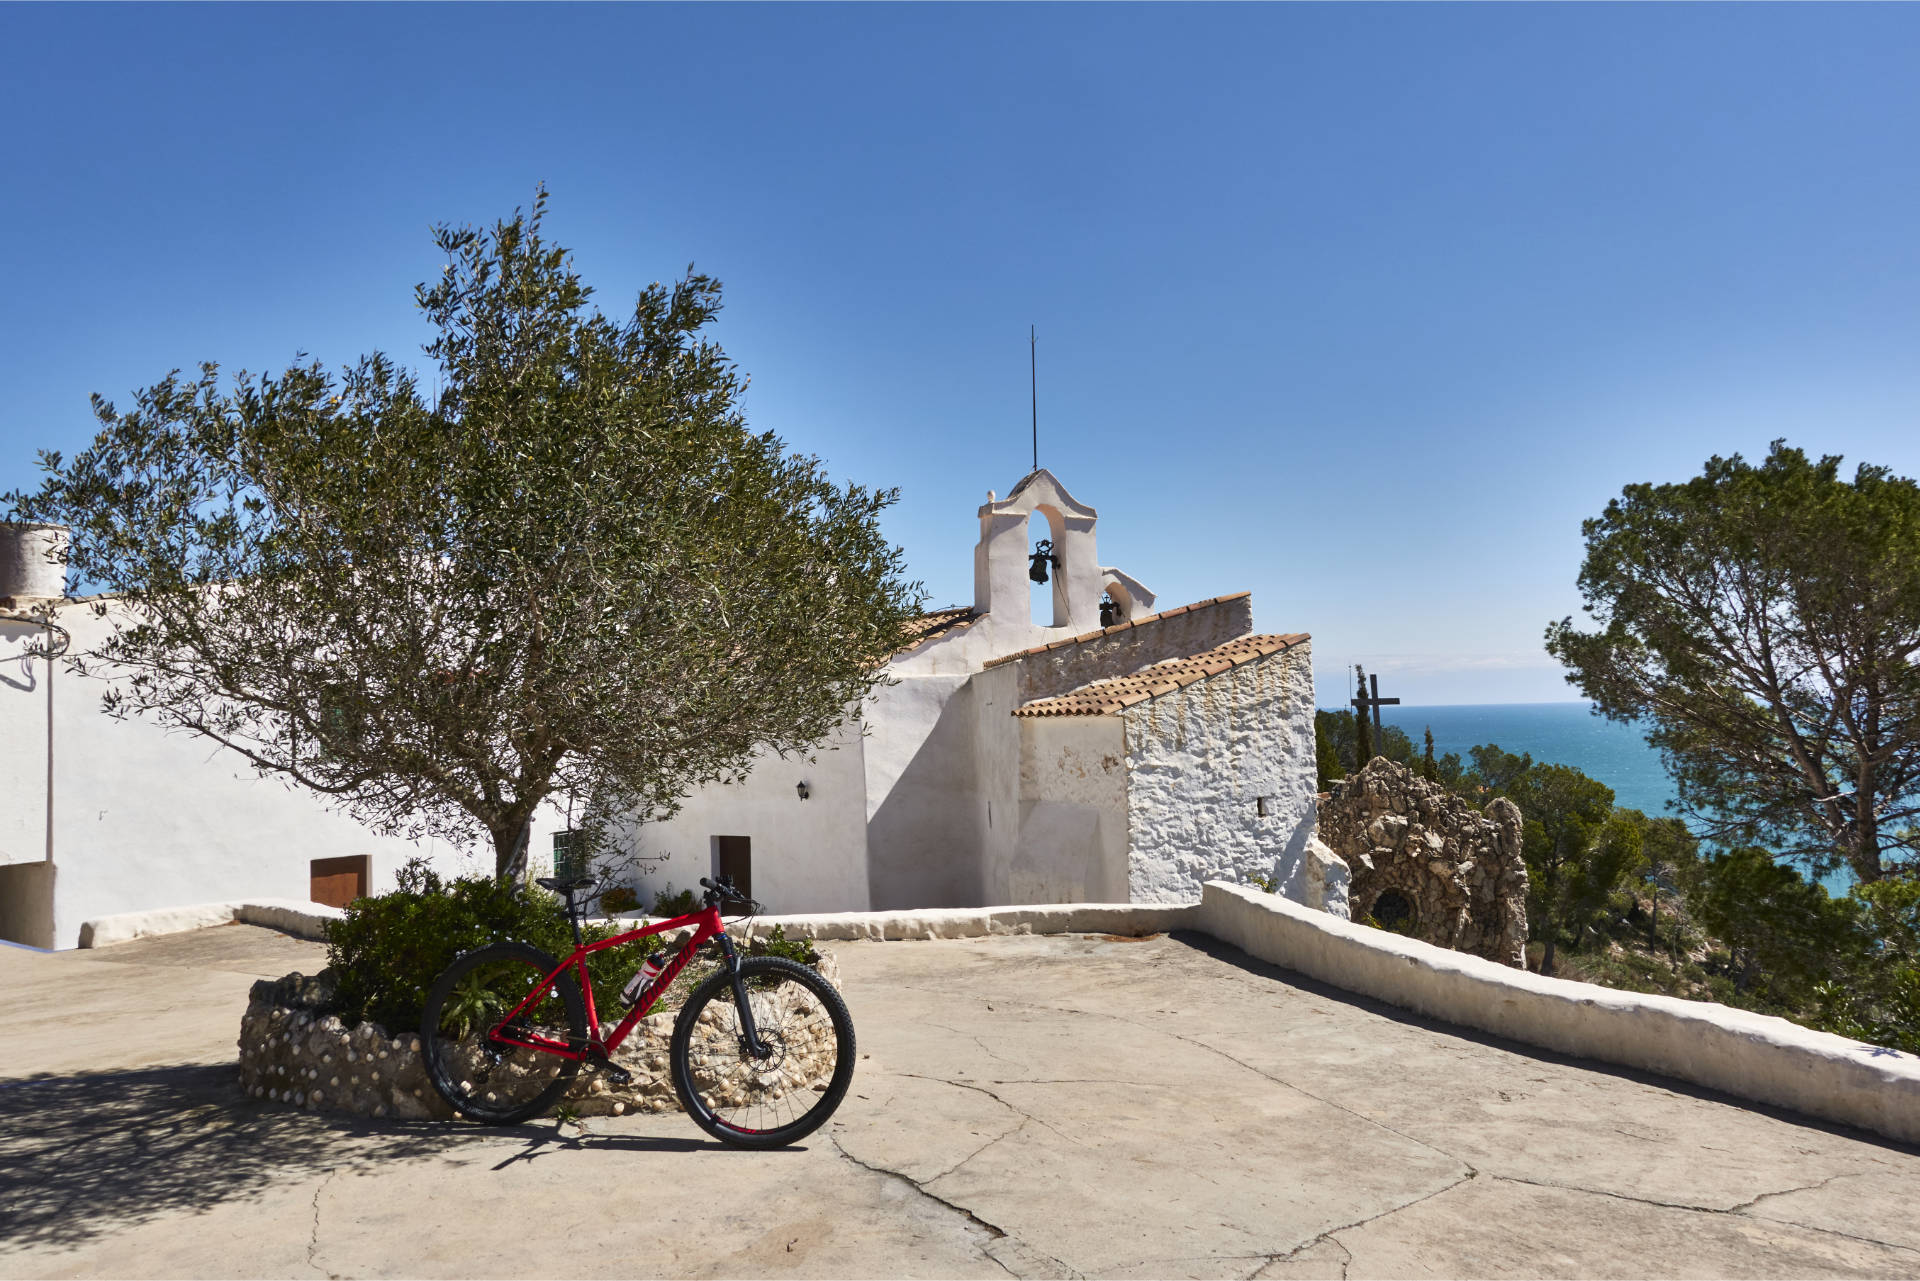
(510, 850)
(1863, 851)
(1546, 957)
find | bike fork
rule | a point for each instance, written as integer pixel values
(749, 1034)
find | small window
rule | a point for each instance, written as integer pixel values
(1260, 804)
(569, 861)
(336, 882)
(340, 720)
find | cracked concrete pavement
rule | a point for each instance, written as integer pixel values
(1034, 1107)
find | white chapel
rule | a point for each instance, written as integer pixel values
(1110, 752)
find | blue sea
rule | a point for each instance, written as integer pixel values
(1560, 734)
(1556, 733)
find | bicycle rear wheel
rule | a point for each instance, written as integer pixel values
(779, 1099)
(483, 1079)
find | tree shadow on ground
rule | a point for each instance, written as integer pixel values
(84, 1155)
(1231, 955)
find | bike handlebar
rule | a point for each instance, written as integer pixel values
(723, 888)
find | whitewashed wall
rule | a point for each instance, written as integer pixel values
(146, 819)
(996, 693)
(923, 812)
(23, 747)
(1198, 761)
(808, 856)
(1073, 811)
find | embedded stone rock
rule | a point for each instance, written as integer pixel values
(1453, 876)
(297, 991)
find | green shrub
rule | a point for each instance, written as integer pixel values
(680, 903)
(391, 947)
(619, 899)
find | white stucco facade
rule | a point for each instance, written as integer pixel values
(100, 816)
(798, 845)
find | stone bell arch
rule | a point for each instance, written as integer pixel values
(1003, 559)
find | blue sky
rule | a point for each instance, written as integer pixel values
(1360, 308)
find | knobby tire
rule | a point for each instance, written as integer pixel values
(763, 1103)
(486, 1082)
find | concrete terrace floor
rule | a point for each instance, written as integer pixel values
(1038, 1107)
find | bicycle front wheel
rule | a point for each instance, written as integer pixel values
(780, 1097)
(485, 1078)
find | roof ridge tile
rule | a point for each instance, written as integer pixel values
(1098, 633)
(1110, 694)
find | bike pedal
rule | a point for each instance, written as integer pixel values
(618, 1075)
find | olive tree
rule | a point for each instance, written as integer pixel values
(1764, 622)
(571, 570)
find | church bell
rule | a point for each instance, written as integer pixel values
(1041, 558)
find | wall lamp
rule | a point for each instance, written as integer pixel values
(802, 788)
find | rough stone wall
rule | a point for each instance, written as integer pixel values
(1458, 868)
(1204, 762)
(1191, 629)
(292, 1052)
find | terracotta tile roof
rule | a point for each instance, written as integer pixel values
(1105, 697)
(1117, 627)
(940, 620)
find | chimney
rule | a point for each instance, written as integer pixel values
(33, 561)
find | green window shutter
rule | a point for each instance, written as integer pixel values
(566, 858)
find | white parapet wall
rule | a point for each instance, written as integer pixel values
(302, 920)
(1753, 1056)
(979, 922)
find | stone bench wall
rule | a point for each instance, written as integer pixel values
(291, 1053)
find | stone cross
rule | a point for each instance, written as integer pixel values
(1360, 705)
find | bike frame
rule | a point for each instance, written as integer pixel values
(707, 925)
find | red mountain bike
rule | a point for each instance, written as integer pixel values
(761, 1055)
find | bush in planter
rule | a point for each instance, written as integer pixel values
(619, 899)
(391, 947)
(681, 903)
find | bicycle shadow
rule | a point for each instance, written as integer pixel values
(82, 1156)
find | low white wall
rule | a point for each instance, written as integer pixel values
(302, 920)
(979, 922)
(1754, 1056)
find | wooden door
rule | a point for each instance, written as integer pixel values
(336, 882)
(734, 854)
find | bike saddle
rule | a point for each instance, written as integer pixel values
(559, 886)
